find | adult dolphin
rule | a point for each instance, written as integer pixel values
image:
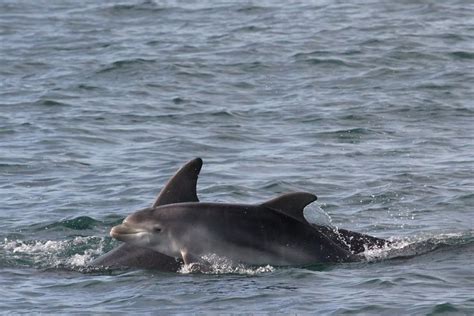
(180, 188)
(270, 233)
(274, 232)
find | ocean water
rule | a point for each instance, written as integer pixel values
(368, 104)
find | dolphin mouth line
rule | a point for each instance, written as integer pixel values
(124, 230)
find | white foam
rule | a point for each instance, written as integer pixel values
(53, 253)
(222, 265)
(408, 247)
(79, 260)
(32, 247)
(385, 252)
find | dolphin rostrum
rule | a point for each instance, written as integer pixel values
(275, 232)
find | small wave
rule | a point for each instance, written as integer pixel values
(414, 246)
(322, 57)
(50, 103)
(326, 61)
(250, 29)
(6, 131)
(77, 223)
(125, 64)
(353, 135)
(196, 74)
(253, 9)
(136, 8)
(445, 308)
(254, 66)
(462, 55)
(87, 87)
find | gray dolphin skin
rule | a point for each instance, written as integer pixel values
(180, 188)
(178, 228)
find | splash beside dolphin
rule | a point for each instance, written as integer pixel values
(178, 228)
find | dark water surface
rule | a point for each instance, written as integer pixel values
(368, 104)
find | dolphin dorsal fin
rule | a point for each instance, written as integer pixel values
(182, 186)
(291, 204)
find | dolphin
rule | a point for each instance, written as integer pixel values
(180, 188)
(274, 232)
(268, 233)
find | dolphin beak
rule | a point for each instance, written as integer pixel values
(124, 231)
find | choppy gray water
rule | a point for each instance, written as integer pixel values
(368, 104)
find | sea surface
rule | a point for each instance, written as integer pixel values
(368, 104)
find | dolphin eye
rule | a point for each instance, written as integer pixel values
(157, 229)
